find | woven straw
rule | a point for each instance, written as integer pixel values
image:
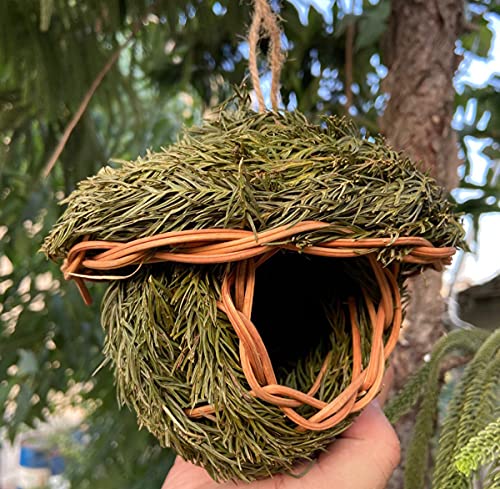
(188, 354)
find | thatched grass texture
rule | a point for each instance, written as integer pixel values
(173, 348)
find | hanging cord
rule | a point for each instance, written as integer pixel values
(264, 18)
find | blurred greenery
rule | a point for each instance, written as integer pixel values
(184, 58)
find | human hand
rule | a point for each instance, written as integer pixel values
(363, 457)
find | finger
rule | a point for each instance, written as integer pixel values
(185, 475)
(363, 458)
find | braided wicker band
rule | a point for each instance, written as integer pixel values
(250, 250)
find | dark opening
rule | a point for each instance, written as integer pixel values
(292, 293)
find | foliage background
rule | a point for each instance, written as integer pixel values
(184, 58)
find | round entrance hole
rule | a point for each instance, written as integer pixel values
(294, 297)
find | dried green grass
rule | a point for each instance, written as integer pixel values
(170, 347)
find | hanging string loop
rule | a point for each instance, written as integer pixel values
(265, 20)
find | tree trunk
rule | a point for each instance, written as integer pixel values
(419, 53)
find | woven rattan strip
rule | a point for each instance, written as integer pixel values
(93, 260)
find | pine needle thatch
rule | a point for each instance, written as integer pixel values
(173, 348)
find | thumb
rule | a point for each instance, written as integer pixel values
(365, 455)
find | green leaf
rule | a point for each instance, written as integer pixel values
(46, 11)
(478, 41)
(342, 26)
(5, 387)
(23, 406)
(28, 364)
(372, 24)
(493, 152)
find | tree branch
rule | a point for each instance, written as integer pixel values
(349, 44)
(85, 102)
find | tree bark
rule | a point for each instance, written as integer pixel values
(419, 52)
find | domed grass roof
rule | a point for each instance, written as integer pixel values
(171, 343)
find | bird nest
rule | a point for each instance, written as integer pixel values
(256, 269)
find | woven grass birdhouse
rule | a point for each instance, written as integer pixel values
(255, 273)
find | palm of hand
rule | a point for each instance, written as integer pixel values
(364, 457)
